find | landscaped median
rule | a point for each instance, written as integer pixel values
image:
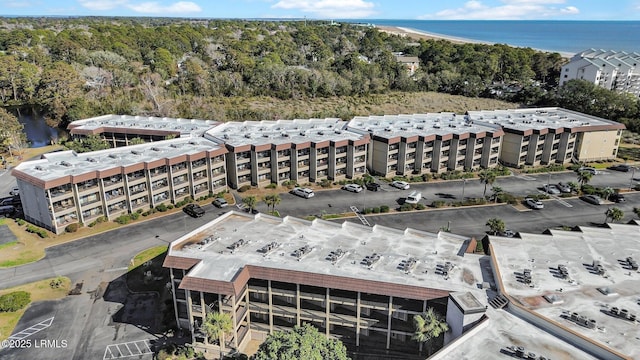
(20, 297)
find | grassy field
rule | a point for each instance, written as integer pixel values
(39, 291)
(146, 255)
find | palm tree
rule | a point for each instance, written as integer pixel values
(495, 225)
(271, 201)
(215, 326)
(487, 177)
(584, 177)
(496, 190)
(614, 214)
(607, 192)
(429, 325)
(250, 201)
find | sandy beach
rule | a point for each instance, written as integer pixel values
(423, 35)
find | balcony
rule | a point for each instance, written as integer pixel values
(63, 205)
(158, 172)
(87, 186)
(60, 193)
(180, 180)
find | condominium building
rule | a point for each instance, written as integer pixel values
(65, 187)
(360, 284)
(425, 143)
(310, 150)
(544, 136)
(611, 70)
(119, 130)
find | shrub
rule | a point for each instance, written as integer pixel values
(161, 208)
(36, 230)
(57, 282)
(426, 177)
(170, 206)
(244, 188)
(384, 209)
(420, 207)
(438, 203)
(20, 222)
(368, 211)
(272, 186)
(139, 211)
(92, 224)
(123, 219)
(375, 210)
(101, 219)
(406, 207)
(507, 198)
(14, 301)
(71, 228)
(135, 216)
(325, 183)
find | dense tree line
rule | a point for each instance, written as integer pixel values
(80, 67)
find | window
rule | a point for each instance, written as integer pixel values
(446, 143)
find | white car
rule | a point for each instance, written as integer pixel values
(588, 169)
(534, 204)
(303, 192)
(220, 202)
(353, 188)
(403, 185)
(551, 189)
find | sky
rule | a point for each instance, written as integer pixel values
(335, 9)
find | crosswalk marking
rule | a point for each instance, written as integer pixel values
(122, 350)
(32, 330)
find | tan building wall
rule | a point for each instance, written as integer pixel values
(597, 145)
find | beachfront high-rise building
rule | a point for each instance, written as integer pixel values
(612, 70)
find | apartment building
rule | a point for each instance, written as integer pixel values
(360, 284)
(118, 130)
(310, 150)
(65, 187)
(425, 143)
(544, 136)
(608, 69)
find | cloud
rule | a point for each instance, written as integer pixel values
(329, 8)
(509, 10)
(152, 7)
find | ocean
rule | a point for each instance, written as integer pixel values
(560, 36)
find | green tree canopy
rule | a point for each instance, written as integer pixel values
(216, 325)
(615, 214)
(303, 342)
(495, 225)
(487, 177)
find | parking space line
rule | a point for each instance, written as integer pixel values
(117, 351)
(32, 330)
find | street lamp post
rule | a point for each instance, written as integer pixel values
(464, 182)
(548, 181)
(633, 171)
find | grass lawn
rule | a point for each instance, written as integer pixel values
(40, 291)
(147, 255)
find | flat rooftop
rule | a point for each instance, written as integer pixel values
(540, 118)
(583, 291)
(323, 239)
(124, 123)
(392, 126)
(492, 338)
(296, 131)
(64, 163)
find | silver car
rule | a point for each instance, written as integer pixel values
(353, 188)
(592, 199)
(400, 185)
(303, 192)
(551, 189)
(534, 204)
(565, 188)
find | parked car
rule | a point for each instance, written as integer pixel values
(507, 233)
(7, 210)
(413, 198)
(220, 202)
(303, 192)
(353, 188)
(10, 201)
(373, 186)
(194, 210)
(588, 169)
(592, 199)
(551, 189)
(534, 203)
(565, 188)
(403, 185)
(14, 192)
(620, 167)
(617, 197)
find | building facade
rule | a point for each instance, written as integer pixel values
(428, 143)
(350, 281)
(264, 152)
(64, 188)
(610, 70)
(545, 136)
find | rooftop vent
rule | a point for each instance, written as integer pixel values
(338, 131)
(113, 156)
(269, 247)
(336, 255)
(66, 163)
(175, 146)
(39, 168)
(136, 152)
(302, 133)
(155, 148)
(371, 260)
(248, 136)
(436, 126)
(91, 159)
(301, 252)
(407, 266)
(320, 132)
(238, 244)
(284, 134)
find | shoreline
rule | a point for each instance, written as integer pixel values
(424, 35)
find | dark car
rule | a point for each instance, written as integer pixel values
(194, 210)
(620, 167)
(617, 198)
(220, 202)
(373, 186)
